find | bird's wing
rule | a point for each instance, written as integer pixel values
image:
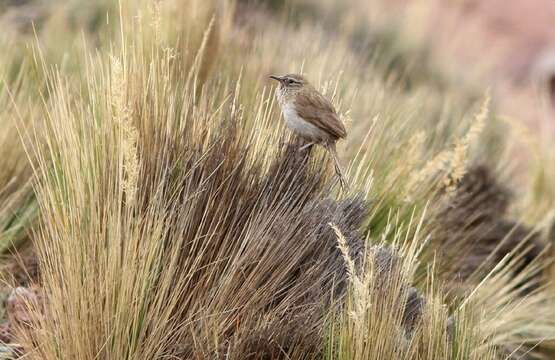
(317, 110)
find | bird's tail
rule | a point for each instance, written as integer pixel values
(337, 165)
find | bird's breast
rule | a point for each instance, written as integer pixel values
(298, 125)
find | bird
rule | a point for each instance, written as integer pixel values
(311, 116)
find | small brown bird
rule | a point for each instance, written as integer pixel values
(310, 115)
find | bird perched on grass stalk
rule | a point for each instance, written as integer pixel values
(311, 116)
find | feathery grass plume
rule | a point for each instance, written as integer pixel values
(349, 263)
(460, 152)
(155, 11)
(358, 283)
(123, 119)
(431, 168)
(452, 162)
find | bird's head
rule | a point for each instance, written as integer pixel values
(290, 81)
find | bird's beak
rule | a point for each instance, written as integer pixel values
(275, 77)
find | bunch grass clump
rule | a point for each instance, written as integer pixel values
(183, 232)
(385, 317)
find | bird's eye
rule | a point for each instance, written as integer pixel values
(289, 81)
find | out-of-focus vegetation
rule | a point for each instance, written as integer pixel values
(154, 205)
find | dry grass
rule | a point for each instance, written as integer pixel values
(204, 238)
(385, 317)
(178, 219)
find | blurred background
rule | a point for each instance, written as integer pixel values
(508, 46)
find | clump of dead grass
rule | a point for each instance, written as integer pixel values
(172, 230)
